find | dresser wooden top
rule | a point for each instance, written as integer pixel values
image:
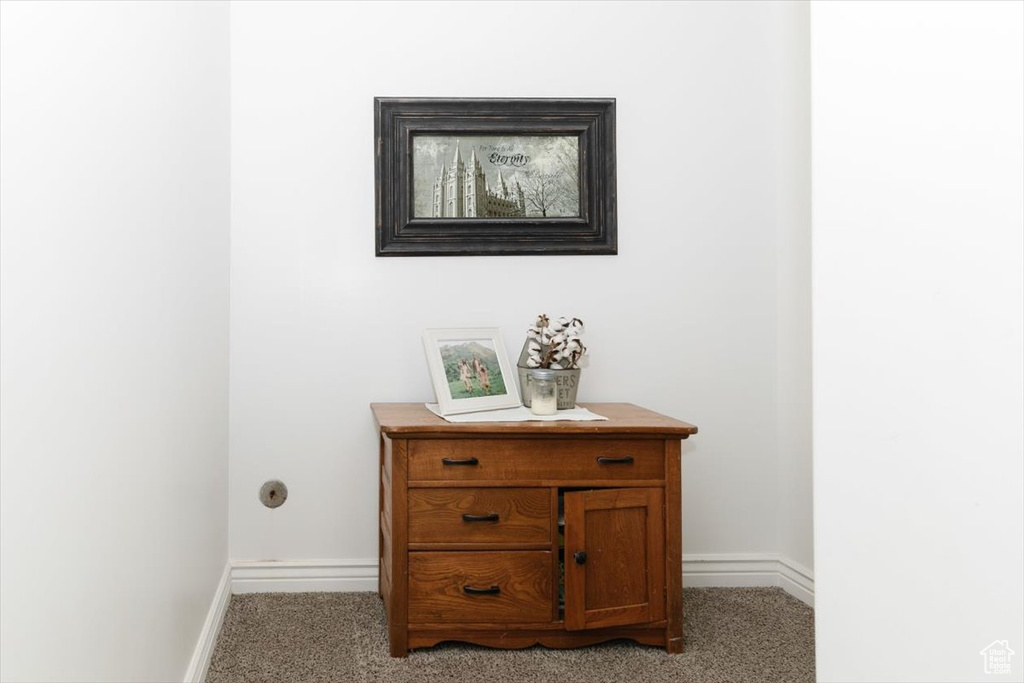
(413, 419)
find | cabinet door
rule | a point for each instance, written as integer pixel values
(614, 557)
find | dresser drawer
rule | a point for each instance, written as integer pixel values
(480, 587)
(513, 460)
(480, 515)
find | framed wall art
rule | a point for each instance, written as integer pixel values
(494, 176)
(470, 370)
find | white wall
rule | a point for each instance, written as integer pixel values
(712, 175)
(918, 158)
(793, 295)
(113, 372)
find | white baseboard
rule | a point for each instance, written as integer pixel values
(705, 571)
(768, 569)
(203, 653)
(699, 571)
(797, 580)
(304, 576)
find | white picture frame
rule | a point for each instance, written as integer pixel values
(475, 386)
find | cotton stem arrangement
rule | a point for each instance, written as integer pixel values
(555, 345)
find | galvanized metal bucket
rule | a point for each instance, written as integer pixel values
(567, 381)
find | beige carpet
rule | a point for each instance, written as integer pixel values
(732, 634)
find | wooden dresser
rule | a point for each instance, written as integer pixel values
(510, 534)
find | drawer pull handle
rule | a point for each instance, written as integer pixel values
(453, 461)
(472, 590)
(580, 557)
(625, 460)
(489, 517)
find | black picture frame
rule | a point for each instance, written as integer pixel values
(397, 120)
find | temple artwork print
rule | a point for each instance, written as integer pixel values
(494, 176)
(504, 177)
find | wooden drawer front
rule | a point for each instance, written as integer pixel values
(479, 515)
(536, 459)
(516, 587)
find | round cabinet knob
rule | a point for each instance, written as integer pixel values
(580, 557)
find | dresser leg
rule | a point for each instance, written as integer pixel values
(673, 547)
(398, 643)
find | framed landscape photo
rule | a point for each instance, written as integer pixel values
(470, 370)
(494, 176)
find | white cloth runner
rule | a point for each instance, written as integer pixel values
(520, 414)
